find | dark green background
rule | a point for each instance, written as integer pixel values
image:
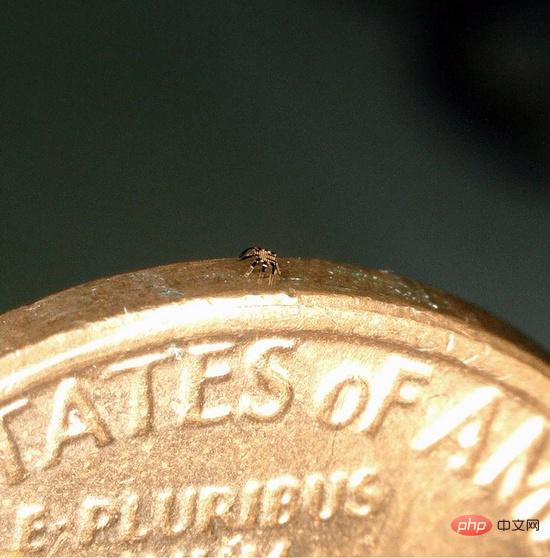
(403, 136)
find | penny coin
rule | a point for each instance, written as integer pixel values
(190, 410)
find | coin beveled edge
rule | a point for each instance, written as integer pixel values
(480, 352)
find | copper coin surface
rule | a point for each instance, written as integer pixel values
(188, 410)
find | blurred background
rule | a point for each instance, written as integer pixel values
(411, 136)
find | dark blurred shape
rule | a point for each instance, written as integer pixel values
(491, 62)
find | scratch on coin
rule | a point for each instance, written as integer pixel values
(331, 454)
(470, 359)
(473, 358)
(327, 314)
(450, 343)
(177, 352)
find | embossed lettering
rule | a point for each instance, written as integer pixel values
(30, 528)
(514, 458)
(271, 377)
(141, 398)
(323, 502)
(167, 509)
(96, 515)
(10, 459)
(536, 503)
(364, 494)
(215, 502)
(280, 549)
(281, 500)
(73, 417)
(129, 523)
(127, 518)
(237, 546)
(343, 396)
(482, 404)
(387, 388)
(353, 393)
(193, 380)
(251, 500)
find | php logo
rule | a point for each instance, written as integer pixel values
(471, 525)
